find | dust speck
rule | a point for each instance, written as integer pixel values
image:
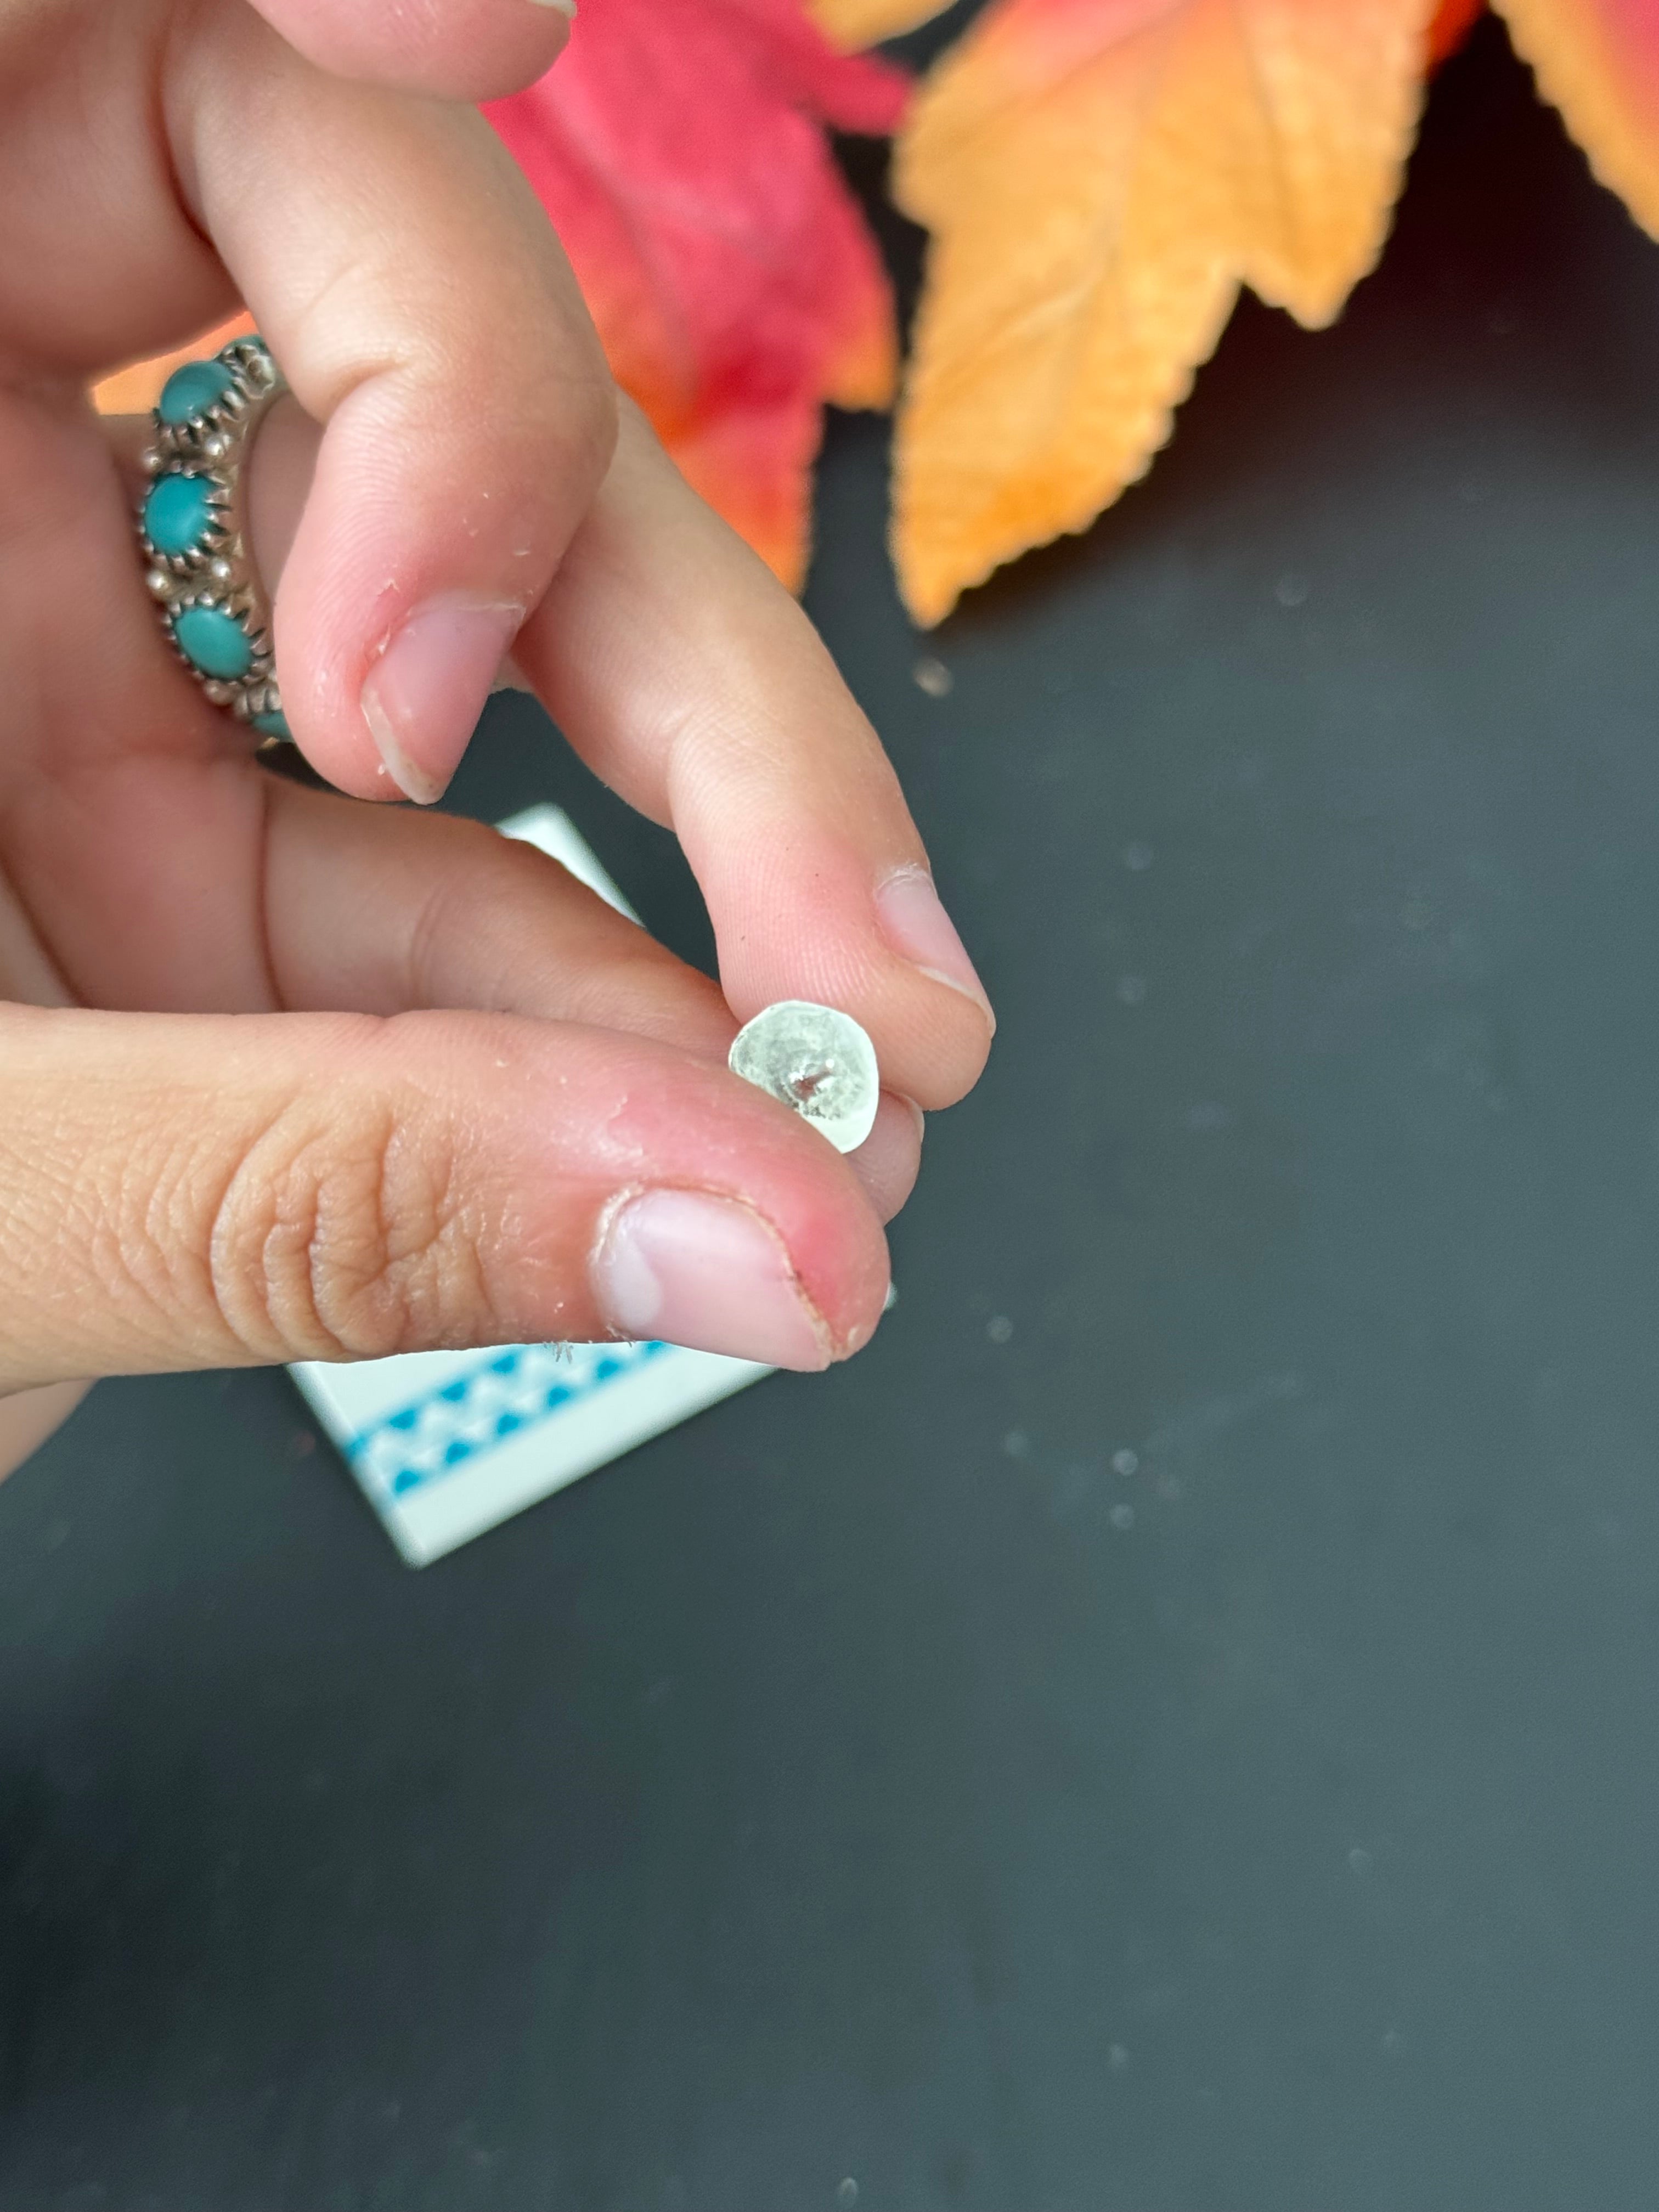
(933, 678)
(998, 1329)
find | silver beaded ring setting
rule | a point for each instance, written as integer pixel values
(192, 524)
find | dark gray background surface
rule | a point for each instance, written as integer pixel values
(866, 1794)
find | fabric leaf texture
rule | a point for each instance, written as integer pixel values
(1099, 177)
(1598, 62)
(680, 147)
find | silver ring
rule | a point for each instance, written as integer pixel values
(192, 524)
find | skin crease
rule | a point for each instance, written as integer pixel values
(285, 1073)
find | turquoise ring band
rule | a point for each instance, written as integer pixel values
(192, 527)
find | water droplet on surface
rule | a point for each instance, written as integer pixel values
(815, 1060)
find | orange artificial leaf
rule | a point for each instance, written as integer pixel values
(1598, 62)
(850, 24)
(680, 147)
(134, 391)
(1099, 177)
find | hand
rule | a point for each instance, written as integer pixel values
(290, 1076)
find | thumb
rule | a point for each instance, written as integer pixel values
(213, 1190)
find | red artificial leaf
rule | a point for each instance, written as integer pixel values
(1453, 22)
(678, 146)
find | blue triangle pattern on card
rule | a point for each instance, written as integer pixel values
(505, 1394)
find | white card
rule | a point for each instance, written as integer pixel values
(445, 1444)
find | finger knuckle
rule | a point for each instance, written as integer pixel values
(340, 1235)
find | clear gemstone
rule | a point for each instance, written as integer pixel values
(817, 1060)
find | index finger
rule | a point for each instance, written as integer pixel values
(690, 681)
(419, 306)
(464, 50)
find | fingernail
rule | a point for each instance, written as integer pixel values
(423, 697)
(916, 925)
(687, 1268)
